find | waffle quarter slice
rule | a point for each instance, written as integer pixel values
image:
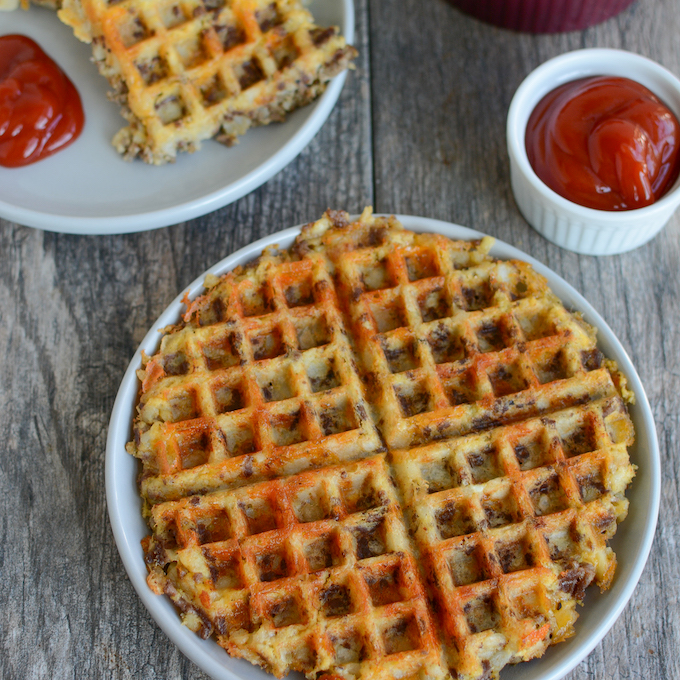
(259, 382)
(381, 454)
(188, 70)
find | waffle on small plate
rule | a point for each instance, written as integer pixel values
(185, 71)
(381, 454)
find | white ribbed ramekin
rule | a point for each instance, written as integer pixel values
(569, 225)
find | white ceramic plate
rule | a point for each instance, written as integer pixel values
(88, 189)
(631, 543)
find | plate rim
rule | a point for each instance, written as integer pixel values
(318, 112)
(200, 651)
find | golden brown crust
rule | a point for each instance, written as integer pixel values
(381, 453)
(192, 70)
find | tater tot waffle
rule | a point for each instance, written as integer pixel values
(381, 454)
(185, 71)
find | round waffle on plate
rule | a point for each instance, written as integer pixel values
(379, 454)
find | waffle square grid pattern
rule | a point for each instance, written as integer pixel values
(381, 454)
(188, 70)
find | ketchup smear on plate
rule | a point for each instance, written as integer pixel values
(40, 109)
(604, 142)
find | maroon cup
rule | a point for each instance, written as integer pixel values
(542, 16)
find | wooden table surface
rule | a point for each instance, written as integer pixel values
(419, 129)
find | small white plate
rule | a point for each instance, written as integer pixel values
(631, 543)
(88, 189)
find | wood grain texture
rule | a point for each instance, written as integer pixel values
(419, 129)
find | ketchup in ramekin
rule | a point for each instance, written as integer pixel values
(40, 109)
(604, 142)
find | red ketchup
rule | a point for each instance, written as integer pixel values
(605, 143)
(40, 110)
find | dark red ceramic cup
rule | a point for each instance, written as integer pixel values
(542, 16)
